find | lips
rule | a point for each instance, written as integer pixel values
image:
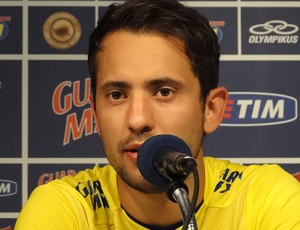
(132, 151)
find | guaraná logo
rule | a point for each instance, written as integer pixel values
(70, 95)
(259, 109)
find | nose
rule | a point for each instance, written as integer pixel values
(140, 115)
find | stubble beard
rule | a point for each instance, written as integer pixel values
(137, 182)
(140, 183)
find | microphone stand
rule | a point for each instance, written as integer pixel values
(178, 193)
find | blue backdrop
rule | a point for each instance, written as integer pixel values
(46, 126)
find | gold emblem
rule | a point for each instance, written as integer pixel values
(62, 30)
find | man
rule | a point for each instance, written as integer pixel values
(154, 70)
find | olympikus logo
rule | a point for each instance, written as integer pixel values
(8, 188)
(258, 109)
(274, 32)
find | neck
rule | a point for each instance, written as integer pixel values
(156, 208)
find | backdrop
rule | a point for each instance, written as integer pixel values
(46, 126)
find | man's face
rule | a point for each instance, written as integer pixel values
(145, 87)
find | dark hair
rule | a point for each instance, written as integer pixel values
(167, 18)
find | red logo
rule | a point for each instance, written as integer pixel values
(66, 96)
(47, 177)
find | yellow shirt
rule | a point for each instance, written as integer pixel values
(236, 197)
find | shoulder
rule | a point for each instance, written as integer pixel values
(273, 197)
(221, 175)
(229, 179)
(255, 174)
(271, 182)
(98, 186)
(264, 189)
(85, 183)
(89, 177)
(90, 193)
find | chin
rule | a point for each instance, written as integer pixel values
(139, 183)
(148, 188)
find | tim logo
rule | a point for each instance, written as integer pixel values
(259, 109)
(8, 188)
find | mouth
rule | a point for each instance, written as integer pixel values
(132, 151)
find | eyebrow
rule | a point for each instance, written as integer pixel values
(115, 84)
(150, 84)
(161, 81)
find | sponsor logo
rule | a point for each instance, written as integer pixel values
(62, 30)
(4, 29)
(6, 228)
(259, 109)
(93, 190)
(8, 188)
(47, 177)
(66, 95)
(217, 25)
(274, 32)
(226, 180)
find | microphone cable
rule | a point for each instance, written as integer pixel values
(194, 200)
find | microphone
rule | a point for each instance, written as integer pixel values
(163, 159)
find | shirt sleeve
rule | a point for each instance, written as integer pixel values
(51, 207)
(277, 201)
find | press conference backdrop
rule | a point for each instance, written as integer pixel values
(46, 126)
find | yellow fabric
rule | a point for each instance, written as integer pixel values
(236, 197)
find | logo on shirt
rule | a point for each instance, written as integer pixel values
(226, 180)
(93, 190)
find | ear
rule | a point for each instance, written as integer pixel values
(93, 108)
(214, 109)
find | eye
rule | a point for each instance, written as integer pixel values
(164, 92)
(116, 95)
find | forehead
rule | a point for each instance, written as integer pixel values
(147, 39)
(142, 54)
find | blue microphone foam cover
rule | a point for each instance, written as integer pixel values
(147, 154)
